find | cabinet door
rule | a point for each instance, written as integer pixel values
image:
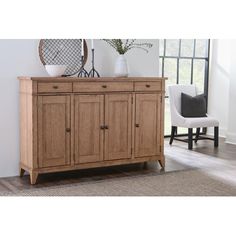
(147, 125)
(89, 117)
(53, 130)
(118, 115)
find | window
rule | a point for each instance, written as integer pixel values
(184, 61)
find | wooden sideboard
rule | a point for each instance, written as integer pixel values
(76, 123)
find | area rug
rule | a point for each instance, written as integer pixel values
(177, 183)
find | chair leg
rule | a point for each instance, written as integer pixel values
(173, 131)
(216, 136)
(197, 134)
(176, 130)
(190, 138)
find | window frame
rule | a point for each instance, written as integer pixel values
(192, 58)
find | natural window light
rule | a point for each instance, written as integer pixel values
(184, 61)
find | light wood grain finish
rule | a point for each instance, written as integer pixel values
(133, 125)
(26, 128)
(147, 125)
(102, 86)
(89, 117)
(54, 87)
(147, 86)
(86, 123)
(118, 115)
(28, 125)
(72, 133)
(53, 130)
(91, 80)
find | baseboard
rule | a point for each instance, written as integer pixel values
(222, 132)
(231, 138)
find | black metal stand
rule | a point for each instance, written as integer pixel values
(93, 72)
(83, 72)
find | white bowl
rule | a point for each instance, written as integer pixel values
(55, 70)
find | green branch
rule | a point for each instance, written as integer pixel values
(129, 44)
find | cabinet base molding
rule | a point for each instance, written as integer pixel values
(34, 173)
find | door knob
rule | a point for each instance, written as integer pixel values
(102, 127)
(137, 125)
(68, 129)
(106, 126)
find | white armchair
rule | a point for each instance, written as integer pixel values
(177, 120)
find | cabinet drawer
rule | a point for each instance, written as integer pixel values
(102, 87)
(147, 86)
(54, 87)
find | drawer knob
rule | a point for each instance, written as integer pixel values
(148, 85)
(104, 86)
(68, 130)
(137, 125)
(55, 86)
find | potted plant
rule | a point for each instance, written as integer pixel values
(122, 47)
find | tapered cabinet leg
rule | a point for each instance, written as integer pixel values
(22, 171)
(190, 138)
(173, 132)
(33, 177)
(162, 162)
(216, 136)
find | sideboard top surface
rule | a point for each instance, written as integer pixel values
(101, 79)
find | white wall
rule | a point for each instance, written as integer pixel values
(219, 79)
(140, 63)
(231, 131)
(17, 57)
(20, 57)
(222, 87)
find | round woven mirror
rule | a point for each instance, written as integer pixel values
(63, 52)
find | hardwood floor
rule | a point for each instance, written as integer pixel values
(218, 162)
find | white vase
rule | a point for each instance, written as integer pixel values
(121, 67)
